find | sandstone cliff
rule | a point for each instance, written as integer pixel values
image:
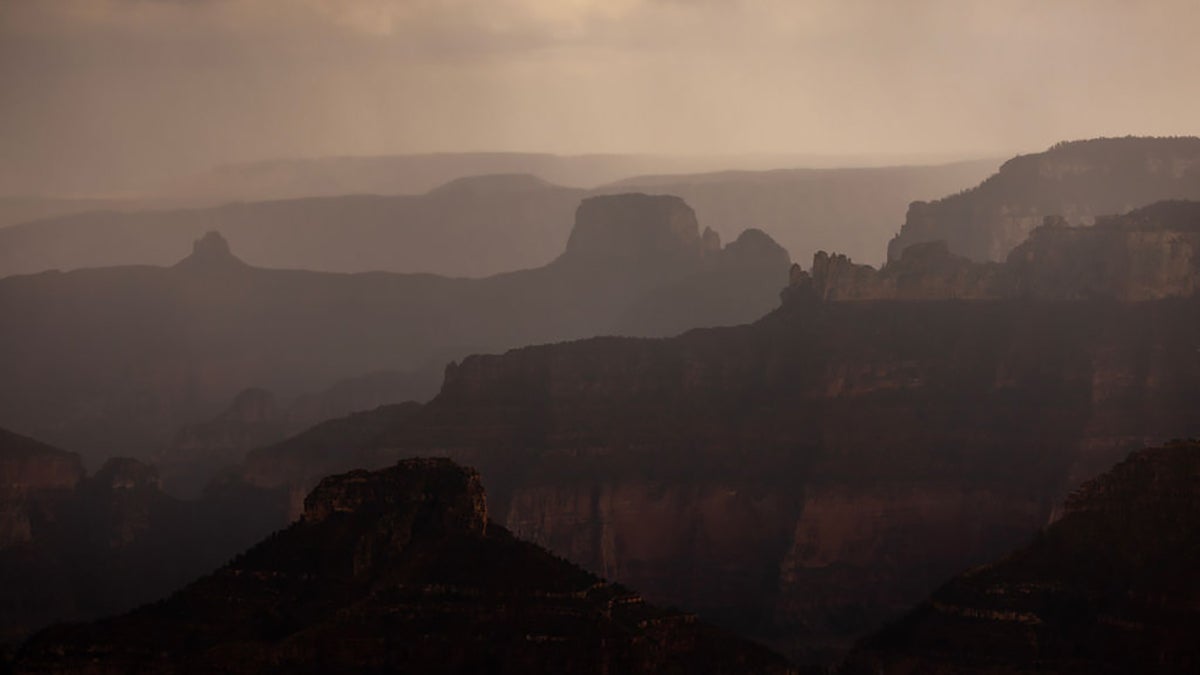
(1078, 180)
(1111, 587)
(397, 570)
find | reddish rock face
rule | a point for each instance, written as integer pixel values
(34, 479)
(1110, 586)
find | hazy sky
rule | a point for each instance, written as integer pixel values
(121, 91)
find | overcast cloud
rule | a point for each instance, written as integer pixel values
(110, 94)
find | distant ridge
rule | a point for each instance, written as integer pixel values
(1077, 180)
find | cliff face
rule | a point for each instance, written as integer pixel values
(1078, 181)
(1109, 587)
(397, 570)
(118, 360)
(34, 479)
(1150, 253)
(77, 547)
(788, 477)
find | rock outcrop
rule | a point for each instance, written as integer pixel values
(1110, 587)
(397, 570)
(1148, 254)
(632, 227)
(1078, 181)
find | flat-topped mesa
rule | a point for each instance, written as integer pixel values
(435, 495)
(210, 252)
(1147, 254)
(630, 227)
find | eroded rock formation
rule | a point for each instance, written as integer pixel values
(397, 570)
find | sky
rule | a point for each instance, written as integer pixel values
(110, 94)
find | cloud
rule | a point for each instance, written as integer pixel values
(128, 89)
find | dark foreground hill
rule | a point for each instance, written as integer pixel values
(116, 360)
(1078, 181)
(397, 570)
(1112, 586)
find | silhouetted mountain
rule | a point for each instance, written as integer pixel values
(397, 570)
(803, 478)
(1150, 253)
(1113, 586)
(74, 547)
(116, 360)
(486, 224)
(1077, 180)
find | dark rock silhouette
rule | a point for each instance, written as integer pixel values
(118, 360)
(397, 569)
(1110, 587)
(473, 227)
(1077, 180)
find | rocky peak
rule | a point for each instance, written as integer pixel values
(636, 226)
(210, 252)
(436, 494)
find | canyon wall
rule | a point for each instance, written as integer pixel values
(805, 477)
